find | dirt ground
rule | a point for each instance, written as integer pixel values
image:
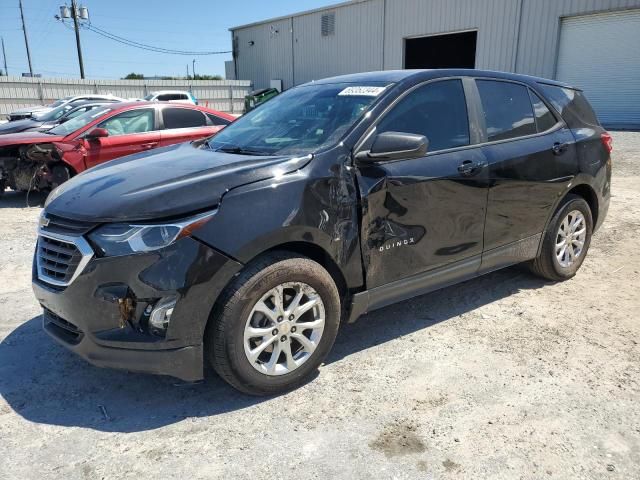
(505, 377)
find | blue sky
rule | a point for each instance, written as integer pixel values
(183, 25)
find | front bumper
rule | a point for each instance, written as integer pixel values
(103, 314)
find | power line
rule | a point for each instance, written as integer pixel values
(144, 46)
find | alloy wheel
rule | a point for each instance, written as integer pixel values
(284, 328)
(570, 238)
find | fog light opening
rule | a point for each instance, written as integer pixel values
(161, 315)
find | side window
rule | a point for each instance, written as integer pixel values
(544, 118)
(507, 109)
(217, 120)
(437, 110)
(183, 118)
(131, 121)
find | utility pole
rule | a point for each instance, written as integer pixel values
(4, 56)
(26, 40)
(193, 68)
(187, 71)
(74, 15)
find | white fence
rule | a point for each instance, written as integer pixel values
(17, 92)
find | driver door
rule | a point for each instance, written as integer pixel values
(131, 131)
(421, 214)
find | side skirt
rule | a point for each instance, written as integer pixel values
(516, 252)
(442, 277)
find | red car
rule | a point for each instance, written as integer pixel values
(40, 160)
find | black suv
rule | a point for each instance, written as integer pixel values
(333, 199)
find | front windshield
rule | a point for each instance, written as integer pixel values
(78, 122)
(149, 97)
(299, 121)
(54, 114)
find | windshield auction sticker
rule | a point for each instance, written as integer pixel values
(362, 91)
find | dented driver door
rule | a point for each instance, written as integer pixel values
(419, 214)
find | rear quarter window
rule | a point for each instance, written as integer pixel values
(215, 120)
(545, 120)
(572, 105)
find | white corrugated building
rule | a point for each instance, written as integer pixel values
(593, 44)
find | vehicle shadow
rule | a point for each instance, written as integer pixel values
(45, 383)
(11, 199)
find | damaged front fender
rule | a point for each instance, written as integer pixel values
(35, 166)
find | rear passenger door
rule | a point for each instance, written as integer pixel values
(183, 124)
(531, 157)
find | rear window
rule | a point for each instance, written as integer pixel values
(572, 105)
(172, 96)
(507, 110)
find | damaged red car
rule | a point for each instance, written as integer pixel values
(43, 160)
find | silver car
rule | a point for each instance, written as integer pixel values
(28, 112)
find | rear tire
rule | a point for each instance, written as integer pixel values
(566, 241)
(292, 336)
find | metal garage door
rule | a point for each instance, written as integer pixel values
(601, 54)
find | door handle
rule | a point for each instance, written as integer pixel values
(468, 168)
(148, 146)
(559, 148)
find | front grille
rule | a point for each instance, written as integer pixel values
(58, 259)
(65, 226)
(61, 258)
(61, 327)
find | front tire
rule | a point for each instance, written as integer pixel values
(274, 324)
(566, 241)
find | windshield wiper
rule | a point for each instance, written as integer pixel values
(239, 150)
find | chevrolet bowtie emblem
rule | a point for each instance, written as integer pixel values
(44, 221)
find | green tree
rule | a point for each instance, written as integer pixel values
(206, 77)
(134, 76)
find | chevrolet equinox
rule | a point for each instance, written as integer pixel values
(246, 250)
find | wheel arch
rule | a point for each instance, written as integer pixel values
(318, 255)
(587, 192)
(306, 249)
(582, 190)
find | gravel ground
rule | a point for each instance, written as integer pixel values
(505, 376)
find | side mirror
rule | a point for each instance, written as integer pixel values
(395, 146)
(97, 133)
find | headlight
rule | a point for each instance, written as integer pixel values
(115, 239)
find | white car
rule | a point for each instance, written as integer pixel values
(173, 96)
(28, 112)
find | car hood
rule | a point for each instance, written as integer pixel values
(168, 182)
(36, 108)
(19, 126)
(27, 137)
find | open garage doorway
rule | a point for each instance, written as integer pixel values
(452, 50)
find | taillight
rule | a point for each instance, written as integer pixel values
(607, 141)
